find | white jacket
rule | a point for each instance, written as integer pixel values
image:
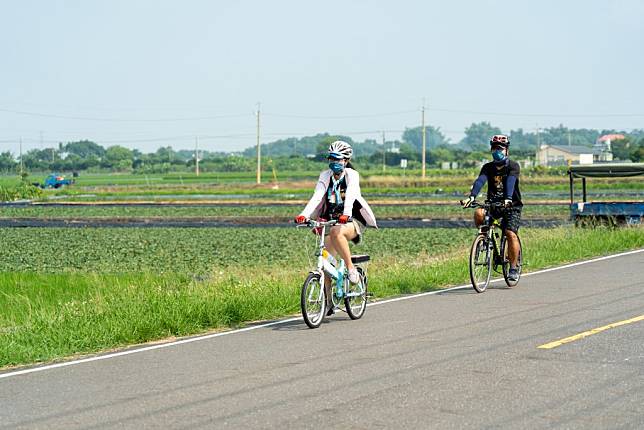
(316, 205)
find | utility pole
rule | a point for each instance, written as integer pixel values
(259, 153)
(569, 138)
(42, 143)
(424, 138)
(197, 155)
(21, 165)
(384, 151)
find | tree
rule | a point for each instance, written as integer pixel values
(622, 148)
(37, 159)
(442, 153)
(433, 135)
(85, 149)
(637, 152)
(477, 136)
(7, 162)
(118, 157)
(165, 154)
(322, 147)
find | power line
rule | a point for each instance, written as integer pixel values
(372, 115)
(548, 115)
(84, 118)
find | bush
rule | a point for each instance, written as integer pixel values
(22, 191)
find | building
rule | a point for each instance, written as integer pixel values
(602, 150)
(560, 155)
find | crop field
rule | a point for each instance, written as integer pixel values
(440, 185)
(281, 212)
(72, 291)
(193, 251)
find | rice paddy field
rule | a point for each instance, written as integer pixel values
(438, 186)
(71, 291)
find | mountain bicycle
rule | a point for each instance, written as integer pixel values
(315, 301)
(486, 254)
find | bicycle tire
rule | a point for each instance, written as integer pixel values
(506, 262)
(313, 301)
(356, 305)
(480, 269)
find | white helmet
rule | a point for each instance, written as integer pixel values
(340, 149)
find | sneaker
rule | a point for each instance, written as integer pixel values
(354, 276)
(330, 311)
(513, 275)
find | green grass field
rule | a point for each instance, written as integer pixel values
(74, 291)
(299, 185)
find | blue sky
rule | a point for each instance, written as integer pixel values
(150, 73)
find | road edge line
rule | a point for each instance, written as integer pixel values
(284, 321)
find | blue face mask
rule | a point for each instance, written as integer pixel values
(498, 155)
(337, 167)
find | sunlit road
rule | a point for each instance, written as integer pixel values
(456, 359)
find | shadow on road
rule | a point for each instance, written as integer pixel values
(463, 291)
(290, 326)
(300, 325)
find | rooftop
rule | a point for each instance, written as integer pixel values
(573, 149)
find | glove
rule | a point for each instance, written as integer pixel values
(344, 219)
(300, 219)
(467, 203)
(507, 203)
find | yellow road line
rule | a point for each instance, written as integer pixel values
(589, 333)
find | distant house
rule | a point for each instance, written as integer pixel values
(561, 155)
(602, 150)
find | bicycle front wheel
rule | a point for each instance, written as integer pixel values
(480, 263)
(313, 301)
(355, 299)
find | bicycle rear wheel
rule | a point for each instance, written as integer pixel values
(506, 262)
(355, 299)
(313, 300)
(480, 263)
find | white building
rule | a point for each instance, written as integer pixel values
(560, 155)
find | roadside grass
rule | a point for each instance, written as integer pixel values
(109, 304)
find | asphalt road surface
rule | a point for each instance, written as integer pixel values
(456, 359)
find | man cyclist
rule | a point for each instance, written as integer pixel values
(502, 176)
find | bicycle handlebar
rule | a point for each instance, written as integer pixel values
(486, 205)
(313, 223)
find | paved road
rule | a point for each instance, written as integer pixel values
(451, 360)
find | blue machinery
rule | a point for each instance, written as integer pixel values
(630, 212)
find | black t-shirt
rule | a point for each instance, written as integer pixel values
(335, 205)
(497, 180)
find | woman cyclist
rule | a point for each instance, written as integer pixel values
(337, 197)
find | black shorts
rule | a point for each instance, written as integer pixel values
(510, 218)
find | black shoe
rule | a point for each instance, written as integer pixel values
(330, 311)
(513, 275)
